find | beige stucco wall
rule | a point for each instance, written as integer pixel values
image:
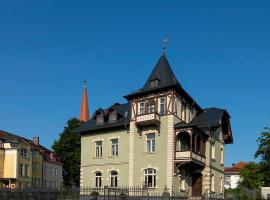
(10, 163)
(37, 172)
(2, 158)
(106, 164)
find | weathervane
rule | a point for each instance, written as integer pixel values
(164, 44)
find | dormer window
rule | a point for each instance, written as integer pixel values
(112, 116)
(100, 119)
(154, 83)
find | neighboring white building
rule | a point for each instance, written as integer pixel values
(232, 175)
(52, 172)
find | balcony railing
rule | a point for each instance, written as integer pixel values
(187, 156)
(148, 119)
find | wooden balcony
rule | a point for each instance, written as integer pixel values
(189, 156)
(148, 119)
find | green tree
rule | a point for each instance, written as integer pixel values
(251, 176)
(263, 153)
(68, 147)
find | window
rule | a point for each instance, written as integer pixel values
(45, 183)
(141, 108)
(45, 169)
(100, 118)
(35, 166)
(221, 156)
(24, 153)
(221, 185)
(21, 170)
(212, 183)
(150, 178)
(114, 181)
(113, 116)
(162, 106)
(151, 106)
(26, 170)
(98, 149)
(55, 171)
(35, 153)
(151, 142)
(114, 150)
(51, 184)
(213, 151)
(183, 111)
(98, 183)
(154, 83)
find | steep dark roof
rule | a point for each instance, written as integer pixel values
(209, 117)
(163, 72)
(9, 138)
(123, 111)
(167, 80)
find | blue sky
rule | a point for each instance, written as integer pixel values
(219, 50)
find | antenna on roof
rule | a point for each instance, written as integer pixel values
(164, 45)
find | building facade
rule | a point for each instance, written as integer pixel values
(160, 138)
(22, 162)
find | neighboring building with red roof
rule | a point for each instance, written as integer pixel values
(232, 175)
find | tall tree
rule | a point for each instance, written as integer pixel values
(68, 147)
(263, 153)
(251, 176)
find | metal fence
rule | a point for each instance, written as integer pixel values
(40, 194)
(104, 193)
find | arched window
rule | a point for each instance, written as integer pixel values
(151, 106)
(98, 179)
(150, 178)
(114, 179)
(221, 185)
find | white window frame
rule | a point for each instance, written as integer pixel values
(141, 108)
(114, 179)
(151, 108)
(150, 174)
(24, 153)
(162, 103)
(212, 183)
(98, 179)
(213, 151)
(221, 156)
(150, 143)
(114, 147)
(98, 149)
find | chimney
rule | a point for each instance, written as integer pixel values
(36, 140)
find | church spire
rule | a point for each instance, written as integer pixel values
(84, 114)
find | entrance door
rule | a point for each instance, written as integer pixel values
(197, 184)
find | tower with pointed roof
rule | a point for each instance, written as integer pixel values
(84, 112)
(161, 138)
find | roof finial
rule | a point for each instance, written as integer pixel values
(84, 83)
(164, 44)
